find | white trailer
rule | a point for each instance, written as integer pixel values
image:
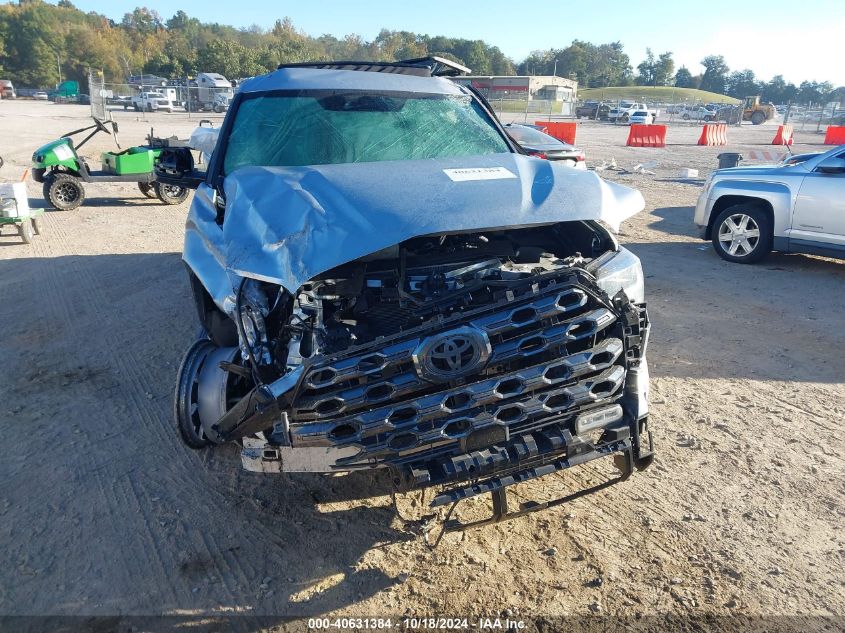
(212, 92)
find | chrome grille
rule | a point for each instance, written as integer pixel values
(551, 353)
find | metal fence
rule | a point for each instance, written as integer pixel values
(814, 118)
(179, 98)
(148, 102)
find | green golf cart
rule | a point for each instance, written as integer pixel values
(62, 171)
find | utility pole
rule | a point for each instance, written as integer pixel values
(59, 66)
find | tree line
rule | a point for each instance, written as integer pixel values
(41, 42)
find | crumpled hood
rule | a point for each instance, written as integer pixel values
(287, 225)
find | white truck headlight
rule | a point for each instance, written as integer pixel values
(623, 271)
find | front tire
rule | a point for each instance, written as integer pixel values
(758, 118)
(64, 191)
(742, 234)
(170, 194)
(185, 400)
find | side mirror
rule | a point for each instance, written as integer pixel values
(831, 165)
(175, 166)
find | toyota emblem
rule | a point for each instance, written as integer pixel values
(452, 354)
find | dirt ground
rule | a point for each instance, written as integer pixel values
(103, 511)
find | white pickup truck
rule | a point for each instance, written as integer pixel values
(624, 110)
(152, 102)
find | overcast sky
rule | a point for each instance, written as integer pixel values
(799, 40)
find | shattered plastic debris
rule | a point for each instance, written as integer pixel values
(606, 164)
(644, 168)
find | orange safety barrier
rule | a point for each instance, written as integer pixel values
(783, 136)
(560, 130)
(835, 135)
(714, 134)
(647, 136)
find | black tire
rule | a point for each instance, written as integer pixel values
(184, 410)
(685, 116)
(758, 118)
(64, 191)
(25, 231)
(170, 194)
(137, 107)
(148, 189)
(743, 217)
(218, 108)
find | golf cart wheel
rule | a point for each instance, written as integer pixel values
(742, 234)
(36, 225)
(170, 194)
(147, 189)
(25, 230)
(64, 191)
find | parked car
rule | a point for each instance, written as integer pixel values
(795, 207)
(537, 143)
(729, 114)
(641, 117)
(623, 111)
(385, 281)
(40, 95)
(698, 113)
(83, 99)
(120, 100)
(593, 110)
(153, 102)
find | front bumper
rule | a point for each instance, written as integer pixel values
(701, 216)
(579, 356)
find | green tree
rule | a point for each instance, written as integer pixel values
(664, 69)
(646, 70)
(715, 74)
(742, 83)
(683, 78)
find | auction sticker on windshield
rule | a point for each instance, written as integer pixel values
(478, 173)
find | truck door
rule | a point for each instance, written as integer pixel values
(819, 213)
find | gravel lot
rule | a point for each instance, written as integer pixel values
(103, 511)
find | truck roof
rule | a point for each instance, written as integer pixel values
(309, 78)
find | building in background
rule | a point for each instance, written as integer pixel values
(560, 91)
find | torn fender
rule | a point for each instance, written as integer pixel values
(288, 224)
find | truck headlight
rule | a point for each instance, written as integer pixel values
(622, 272)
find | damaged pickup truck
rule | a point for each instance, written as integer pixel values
(384, 280)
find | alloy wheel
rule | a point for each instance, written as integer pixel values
(739, 234)
(66, 193)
